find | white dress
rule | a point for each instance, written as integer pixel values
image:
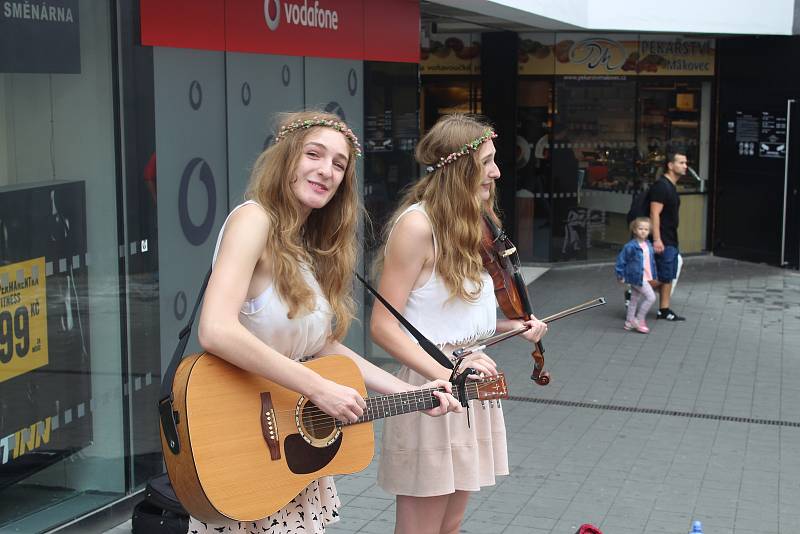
(266, 317)
(426, 456)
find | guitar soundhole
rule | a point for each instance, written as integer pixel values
(317, 424)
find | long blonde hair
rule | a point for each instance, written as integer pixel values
(450, 196)
(326, 241)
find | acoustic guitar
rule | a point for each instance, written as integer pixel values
(248, 446)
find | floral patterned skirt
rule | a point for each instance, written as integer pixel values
(308, 513)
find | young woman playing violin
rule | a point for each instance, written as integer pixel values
(432, 272)
(280, 290)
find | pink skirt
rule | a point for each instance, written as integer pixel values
(424, 456)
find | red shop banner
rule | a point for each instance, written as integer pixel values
(351, 29)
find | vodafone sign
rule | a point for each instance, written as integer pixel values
(330, 28)
(351, 29)
(311, 16)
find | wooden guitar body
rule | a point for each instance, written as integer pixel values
(242, 455)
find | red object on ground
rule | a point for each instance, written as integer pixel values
(588, 529)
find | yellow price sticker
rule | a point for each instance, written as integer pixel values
(23, 318)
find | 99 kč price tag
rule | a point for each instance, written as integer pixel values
(23, 318)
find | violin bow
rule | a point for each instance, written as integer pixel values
(488, 342)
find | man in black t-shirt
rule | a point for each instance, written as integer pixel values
(664, 207)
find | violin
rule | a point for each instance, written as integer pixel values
(501, 260)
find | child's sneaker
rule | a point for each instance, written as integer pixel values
(642, 328)
(629, 325)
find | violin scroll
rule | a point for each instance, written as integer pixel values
(539, 375)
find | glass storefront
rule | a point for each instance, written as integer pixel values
(391, 132)
(582, 154)
(596, 116)
(62, 422)
(118, 165)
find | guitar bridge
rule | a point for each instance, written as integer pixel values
(269, 426)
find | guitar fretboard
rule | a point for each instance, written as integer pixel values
(406, 402)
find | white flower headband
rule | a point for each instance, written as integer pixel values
(466, 149)
(316, 121)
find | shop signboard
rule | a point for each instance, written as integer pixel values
(40, 37)
(668, 55)
(595, 55)
(348, 29)
(46, 406)
(457, 53)
(547, 53)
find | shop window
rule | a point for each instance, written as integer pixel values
(391, 132)
(594, 165)
(669, 119)
(532, 161)
(61, 423)
(449, 96)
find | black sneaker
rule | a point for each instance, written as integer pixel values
(627, 297)
(669, 315)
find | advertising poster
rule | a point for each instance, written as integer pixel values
(667, 55)
(45, 411)
(451, 54)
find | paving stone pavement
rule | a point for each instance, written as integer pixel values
(698, 420)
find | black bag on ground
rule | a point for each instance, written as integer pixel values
(640, 205)
(160, 512)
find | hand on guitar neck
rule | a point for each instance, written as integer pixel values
(345, 404)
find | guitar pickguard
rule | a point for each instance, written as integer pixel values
(303, 458)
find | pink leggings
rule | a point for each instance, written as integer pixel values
(642, 298)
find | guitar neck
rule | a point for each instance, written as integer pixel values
(406, 402)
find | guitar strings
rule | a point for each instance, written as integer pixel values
(315, 411)
(316, 415)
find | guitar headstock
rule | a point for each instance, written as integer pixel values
(491, 388)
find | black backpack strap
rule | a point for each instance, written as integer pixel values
(426, 344)
(166, 413)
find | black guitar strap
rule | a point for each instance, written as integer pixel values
(167, 415)
(424, 342)
(458, 377)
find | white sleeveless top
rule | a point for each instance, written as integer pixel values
(445, 320)
(266, 315)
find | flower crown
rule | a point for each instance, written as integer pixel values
(466, 149)
(305, 124)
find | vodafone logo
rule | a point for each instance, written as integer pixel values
(310, 16)
(272, 14)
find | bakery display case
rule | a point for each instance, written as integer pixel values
(669, 117)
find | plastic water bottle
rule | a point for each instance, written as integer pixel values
(697, 528)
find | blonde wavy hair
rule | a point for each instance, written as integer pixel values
(450, 195)
(326, 241)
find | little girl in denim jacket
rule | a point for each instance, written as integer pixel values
(636, 266)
